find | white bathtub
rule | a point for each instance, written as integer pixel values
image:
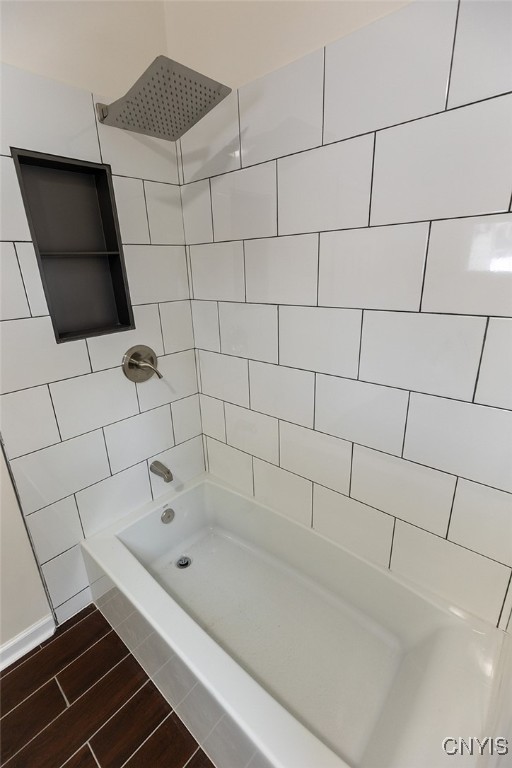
(278, 648)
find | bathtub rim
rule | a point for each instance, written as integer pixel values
(256, 711)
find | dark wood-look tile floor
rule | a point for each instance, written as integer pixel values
(81, 700)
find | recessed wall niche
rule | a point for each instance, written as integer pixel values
(72, 217)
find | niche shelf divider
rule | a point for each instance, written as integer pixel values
(72, 216)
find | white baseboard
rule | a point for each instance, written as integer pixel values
(24, 642)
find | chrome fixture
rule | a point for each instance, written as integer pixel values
(161, 470)
(167, 515)
(183, 562)
(140, 363)
(165, 102)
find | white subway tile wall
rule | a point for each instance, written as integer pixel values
(13, 299)
(62, 404)
(351, 297)
(367, 85)
(165, 219)
(390, 273)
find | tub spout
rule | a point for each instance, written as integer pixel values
(161, 470)
(145, 364)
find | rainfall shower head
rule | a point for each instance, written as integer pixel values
(165, 102)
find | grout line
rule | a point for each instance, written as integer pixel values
(315, 377)
(172, 425)
(146, 462)
(137, 396)
(147, 212)
(277, 197)
(23, 283)
(147, 738)
(93, 754)
(206, 462)
(162, 327)
(505, 600)
(90, 363)
(182, 207)
(190, 278)
(364, 503)
(369, 447)
(245, 272)
(323, 96)
(81, 526)
(119, 421)
(448, 83)
(56, 420)
(59, 686)
(192, 756)
(480, 215)
(318, 273)
(278, 335)
(351, 470)
(253, 480)
(451, 509)
(278, 443)
(350, 378)
(358, 135)
(360, 346)
(273, 302)
(405, 424)
(424, 274)
(239, 127)
(248, 386)
(311, 520)
(371, 178)
(392, 542)
(177, 147)
(96, 125)
(218, 328)
(182, 164)
(211, 209)
(153, 181)
(480, 361)
(106, 451)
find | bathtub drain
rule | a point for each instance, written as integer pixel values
(183, 562)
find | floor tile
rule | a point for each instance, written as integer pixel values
(70, 623)
(76, 678)
(82, 759)
(79, 722)
(200, 760)
(27, 720)
(51, 659)
(171, 745)
(127, 730)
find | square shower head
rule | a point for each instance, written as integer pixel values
(165, 102)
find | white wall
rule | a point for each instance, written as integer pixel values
(22, 597)
(236, 42)
(356, 250)
(105, 46)
(100, 46)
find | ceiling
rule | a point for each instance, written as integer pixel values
(104, 45)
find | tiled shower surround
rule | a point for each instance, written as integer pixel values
(346, 286)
